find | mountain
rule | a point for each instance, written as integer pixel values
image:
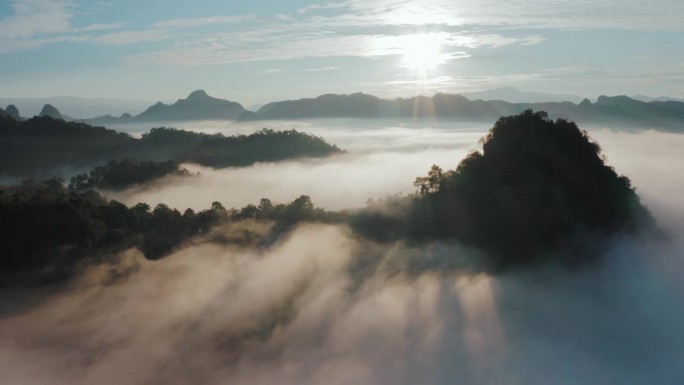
(3, 114)
(197, 106)
(356, 105)
(44, 146)
(50, 111)
(645, 98)
(538, 193)
(609, 111)
(13, 112)
(514, 95)
(79, 107)
(360, 105)
(621, 111)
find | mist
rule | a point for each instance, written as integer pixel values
(380, 161)
(324, 306)
(385, 160)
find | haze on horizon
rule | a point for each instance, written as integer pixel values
(272, 50)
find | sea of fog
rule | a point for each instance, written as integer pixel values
(380, 160)
(298, 313)
(384, 158)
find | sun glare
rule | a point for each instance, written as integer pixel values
(422, 53)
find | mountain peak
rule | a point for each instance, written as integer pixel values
(197, 106)
(13, 112)
(50, 111)
(198, 94)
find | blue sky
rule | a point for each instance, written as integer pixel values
(254, 52)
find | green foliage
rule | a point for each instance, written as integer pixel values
(262, 146)
(43, 146)
(47, 231)
(539, 192)
(120, 175)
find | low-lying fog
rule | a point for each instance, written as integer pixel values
(384, 160)
(296, 313)
(380, 161)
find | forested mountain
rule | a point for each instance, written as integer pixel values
(613, 111)
(43, 147)
(47, 232)
(538, 194)
(120, 175)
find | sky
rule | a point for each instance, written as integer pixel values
(260, 51)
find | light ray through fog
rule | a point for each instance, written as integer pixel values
(296, 313)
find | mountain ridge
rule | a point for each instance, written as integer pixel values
(198, 105)
(611, 111)
(618, 110)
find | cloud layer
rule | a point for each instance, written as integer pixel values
(322, 306)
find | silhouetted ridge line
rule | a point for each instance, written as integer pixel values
(617, 111)
(197, 106)
(43, 147)
(538, 193)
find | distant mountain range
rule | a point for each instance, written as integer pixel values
(77, 106)
(197, 106)
(619, 111)
(514, 95)
(656, 99)
(610, 111)
(48, 110)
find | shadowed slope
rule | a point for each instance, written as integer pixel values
(539, 192)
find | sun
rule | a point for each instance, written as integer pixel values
(422, 53)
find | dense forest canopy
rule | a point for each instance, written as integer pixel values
(47, 231)
(43, 146)
(120, 175)
(538, 193)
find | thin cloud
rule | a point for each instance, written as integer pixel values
(101, 27)
(34, 23)
(131, 37)
(564, 14)
(276, 45)
(203, 21)
(166, 30)
(321, 69)
(34, 19)
(319, 6)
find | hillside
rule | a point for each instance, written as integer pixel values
(621, 112)
(538, 193)
(43, 147)
(615, 111)
(197, 106)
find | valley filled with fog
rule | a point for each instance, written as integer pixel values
(322, 305)
(380, 161)
(384, 158)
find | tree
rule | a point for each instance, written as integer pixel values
(431, 182)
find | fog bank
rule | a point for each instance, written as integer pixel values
(322, 306)
(293, 315)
